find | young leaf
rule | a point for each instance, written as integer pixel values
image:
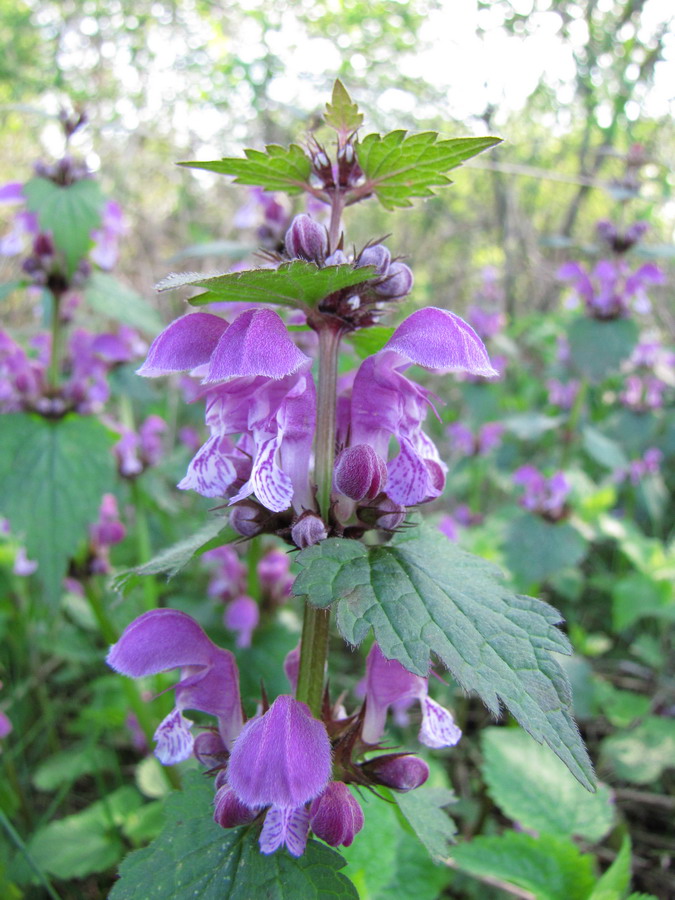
(397, 168)
(615, 883)
(69, 212)
(551, 868)
(171, 560)
(275, 169)
(535, 789)
(421, 594)
(53, 474)
(298, 283)
(342, 114)
(195, 857)
(423, 808)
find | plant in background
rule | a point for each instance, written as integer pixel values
(338, 468)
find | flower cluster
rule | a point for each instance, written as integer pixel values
(87, 362)
(465, 441)
(650, 370)
(648, 464)
(545, 496)
(283, 765)
(261, 405)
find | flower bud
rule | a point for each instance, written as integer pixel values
(273, 570)
(306, 239)
(400, 772)
(398, 283)
(336, 816)
(210, 750)
(360, 473)
(308, 530)
(228, 811)
(244, 518)
(377, 256)
(385, 514)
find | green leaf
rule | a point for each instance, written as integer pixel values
(386, 861)
(644, 753)
(530, 426)
(274, 169)
(397, 168)
(71, 764)
(53, 474)
(195, 857)
(602, 449)
(299, 283)
(368, 341)
(551, 868)
(89, 841)
(69, 212)
(638, 596)
(535, 789)
(342, 113)
(171, 560)
(615, 883)
(598, 348)
(423, 808)
(535, 548)
(421, 594)
(112, 300)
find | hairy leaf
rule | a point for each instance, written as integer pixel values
(171, 560)
(53, 474)
(69, 212)
(398, 168)
(299, 283)
(423, 808)
(551, 868)
(421, 594)
(535, 789)
(274, 169)
(342, 114)
(195, 857)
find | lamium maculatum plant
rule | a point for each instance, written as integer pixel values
(338, 467)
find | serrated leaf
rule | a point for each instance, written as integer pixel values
(274, 169)
(397, 168)
(69, 212)
(112, 300)
(298, 283)
(423, 808)
(615, 883)
(53, 474)
(342, 113)
(551, 868)
(171, 560)
(386, 861)
(195, 857)
(421, 594)
(535, 789)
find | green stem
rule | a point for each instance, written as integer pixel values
(314, 644)
(53, 372)
(573, 423)
(20, 845)
(143, 546)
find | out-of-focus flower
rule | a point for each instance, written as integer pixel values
(542, 495)
(610, 290)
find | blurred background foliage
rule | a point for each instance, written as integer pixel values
(571, 86)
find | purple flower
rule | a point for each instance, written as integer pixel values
(542, 495)
(22, 565)
(106, 238)
(260, 387)
(388, 683)
(335, 816)
(164, 639)
(611, 287)
(562, 394)
(386, 404)
(281, 759)
(242, 616)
